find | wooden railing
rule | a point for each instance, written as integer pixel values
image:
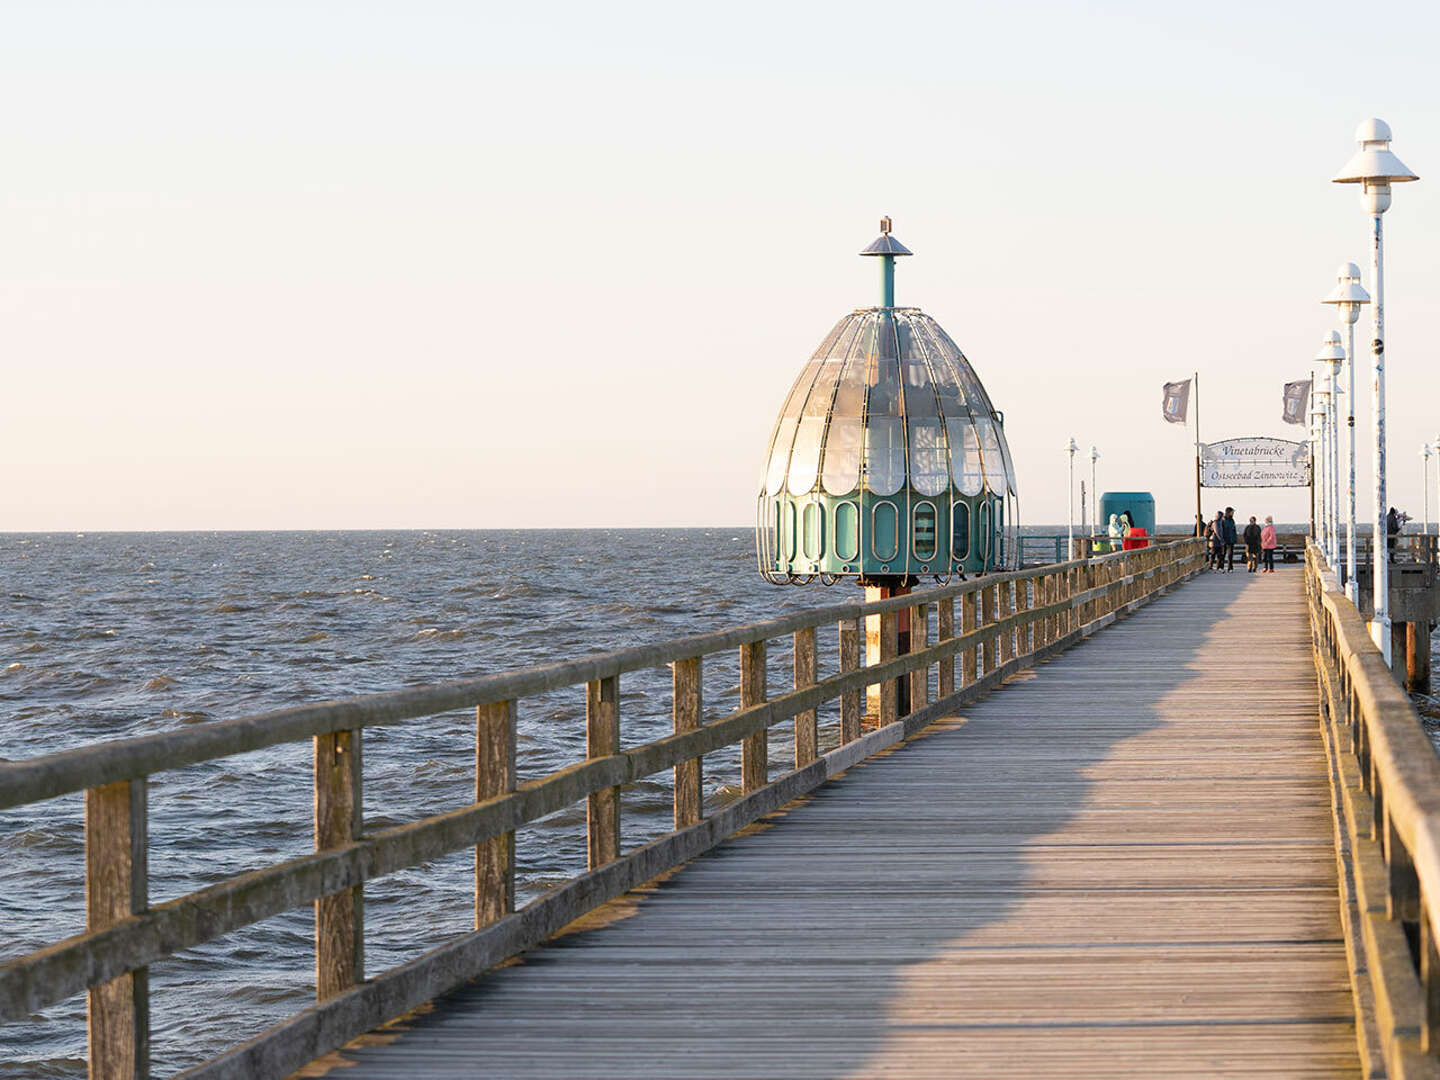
(1386, 780)
(1006, 623)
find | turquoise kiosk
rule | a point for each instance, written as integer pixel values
(1140, 504)
(888, 462)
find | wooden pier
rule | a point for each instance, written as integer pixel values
(1139, 821)
(1119, 865)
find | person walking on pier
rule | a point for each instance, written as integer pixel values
(1231, 538)
(1252, 546)
(1215, 532)
(1392, 531)
(1268, 542)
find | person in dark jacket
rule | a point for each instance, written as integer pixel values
(1252, 546)
(1231, 538)
(1392, 530)
(1215, 533)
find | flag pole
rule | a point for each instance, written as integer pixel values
(1199, 513)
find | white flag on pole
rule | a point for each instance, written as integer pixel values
(1297, 395)
(1176, 403)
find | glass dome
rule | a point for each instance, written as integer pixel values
(888, 460)
(888, 395)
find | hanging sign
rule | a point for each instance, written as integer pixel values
(1255, 463)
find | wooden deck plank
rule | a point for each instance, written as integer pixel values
(1119, 864)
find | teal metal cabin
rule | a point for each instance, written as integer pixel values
(888, 460)
(1140, 504)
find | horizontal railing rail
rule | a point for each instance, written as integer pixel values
(1387, 779)
(1007, 622)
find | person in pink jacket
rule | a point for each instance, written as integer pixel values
(1268, 540)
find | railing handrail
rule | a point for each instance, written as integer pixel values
(1398, 773)
(1003, 628)
(64, 772)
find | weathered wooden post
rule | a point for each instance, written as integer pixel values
(889, 650)
(990, 599)
(807, 726)
(1430, 985)
(754, 749)
(919, 639)
(1023, 639)
(851, 701)
(1417, 656)
(339, 917)
(945, 628)
(116, 884)
(1005, 606)
(494, 776)
(688, 712)
(968, 656)
(602, 739)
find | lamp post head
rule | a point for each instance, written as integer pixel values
(1348, 294)
(1332, 353)
(1073, 446)
(1374, 167)
(1094, 454)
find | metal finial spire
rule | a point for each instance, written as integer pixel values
(887, 248)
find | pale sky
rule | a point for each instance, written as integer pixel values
(345, 265)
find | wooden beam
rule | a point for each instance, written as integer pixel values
(919, 641)
(688, 713)
(851, 706)
(990, 601)
(494, 776)
(889, 650)
(116, 853)
(602, 739)
(807, 728)
(754, 749)
(945, 628)
(968, 659)
(340, 916)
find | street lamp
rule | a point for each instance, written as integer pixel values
(1348, 297)
(1070, 519)
(1425, 486)
(1375, 168)
(1435, 449)
(1094, 491)
(1330, 357)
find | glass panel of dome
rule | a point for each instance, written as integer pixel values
(919, 397)
(1009, 461)
(823, 392)
(884, 454)
(990, 455)
(842, 455)
(908, 334)
(850, 394)
(927, 458)
(828, 346)
(805, 458)
(780, 454)
(848, 327)
(965, 455)
(784, 432)
(884, 396)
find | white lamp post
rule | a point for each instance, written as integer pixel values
(1094, 491)
(1348, 297)
(1070, 517)
(1329, 359)
(1435, 449)
(1375, 168)
(1425, 486)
